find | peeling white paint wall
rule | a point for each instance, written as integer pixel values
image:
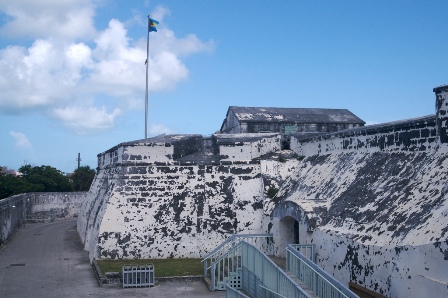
(410, 135)
(170, 211)
(393, 271)
(238, 148)
(376, 197)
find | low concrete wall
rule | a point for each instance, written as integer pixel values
(63, 203)
(14, 210)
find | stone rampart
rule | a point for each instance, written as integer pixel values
(159, 150)
(418, 134)
(169, 211)
(372, 199)
(398, 271)
(178, 206)
(246, 147)
(442, 113)
(365, 208)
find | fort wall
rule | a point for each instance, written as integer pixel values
(373, 199)
(246, 147)
(379, 197)
(152, 211)
(14, 210)
(442, 113)
(392, 271)
(419, 134)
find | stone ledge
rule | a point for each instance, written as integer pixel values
(178, 278)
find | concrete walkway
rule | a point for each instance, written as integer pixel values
(47, 260)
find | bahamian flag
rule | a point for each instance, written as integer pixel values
(152, 25)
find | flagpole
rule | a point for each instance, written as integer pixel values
(146, 93)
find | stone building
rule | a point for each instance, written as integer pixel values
(288, 121)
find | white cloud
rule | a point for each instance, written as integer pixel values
(157, 129)
(21, 140)
(85, 119)
(62, 19)
(42, 75)
(59, 74)
(119, 69)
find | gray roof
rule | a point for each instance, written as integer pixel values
(296, 115)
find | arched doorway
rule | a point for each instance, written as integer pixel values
(289, 226)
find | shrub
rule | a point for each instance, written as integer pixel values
(272, 191)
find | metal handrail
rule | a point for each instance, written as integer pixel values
(234, 293)
(313, 276)
(234, 238)
(220, 248)
(272, 292)
(277, 281)
(308, 250)
(215, 260)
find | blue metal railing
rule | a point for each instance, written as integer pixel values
(308, 250)
(238, 265)
(135, 276)
(315, 278)
(222, 265)
(234, 293)
(261, 277)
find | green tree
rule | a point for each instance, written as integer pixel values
(45, 178)
(12, 185)
(82, 178)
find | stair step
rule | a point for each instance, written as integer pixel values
(301, 284)
(208, 282)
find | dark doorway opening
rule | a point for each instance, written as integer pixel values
(296, 232)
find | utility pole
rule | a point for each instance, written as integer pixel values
(79, 159)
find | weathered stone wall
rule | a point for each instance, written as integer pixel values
(170, 211)
(246, 147)
(15, 209)
(232, 125)
(393, 271)
(287, 121)
(373, 199)
(377, 200)
(380, 219)
(157, 150)
(62, 203)
(442, 113)
(417, 134)
(291, 128)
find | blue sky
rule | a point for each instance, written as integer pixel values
(72, 73)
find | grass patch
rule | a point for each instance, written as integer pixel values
(162, 267)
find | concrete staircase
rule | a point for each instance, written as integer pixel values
(301, 284)
(281, 262)
(208, 282)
